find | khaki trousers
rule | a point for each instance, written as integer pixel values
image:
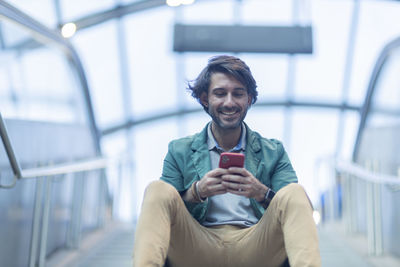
(166, 229)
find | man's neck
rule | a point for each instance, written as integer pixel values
(226, 138)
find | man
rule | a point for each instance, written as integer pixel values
(202, 215)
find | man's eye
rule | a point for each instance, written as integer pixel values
(239, 94)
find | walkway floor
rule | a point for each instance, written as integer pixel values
(114, 249)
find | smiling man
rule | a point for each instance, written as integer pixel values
(201, 215)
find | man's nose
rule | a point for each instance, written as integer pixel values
(229, 100)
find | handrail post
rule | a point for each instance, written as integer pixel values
(45, 222)
(36, 221)
(370, 218)
(378, 220)
(346, 201)
(353, 203)
(102, 198)
(73, 237)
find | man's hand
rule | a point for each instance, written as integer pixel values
(240, 181)
(211, 183)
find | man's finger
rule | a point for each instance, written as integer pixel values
(233, 178)
(241, 171)
(218, 172)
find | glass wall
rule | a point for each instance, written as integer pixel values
(36, 82)
(46, 114)
(385, 110)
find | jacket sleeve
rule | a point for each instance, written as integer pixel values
(171, 172)
(283, 173)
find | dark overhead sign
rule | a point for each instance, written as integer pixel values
(240, 38)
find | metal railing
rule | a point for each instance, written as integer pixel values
(45, 176)
(362, 186)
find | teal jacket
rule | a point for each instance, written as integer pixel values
(188, 160)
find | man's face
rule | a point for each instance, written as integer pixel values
(227, 101)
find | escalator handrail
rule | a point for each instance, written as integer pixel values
(357, 170)
(9, 149)
(379, 65)
(62, 168)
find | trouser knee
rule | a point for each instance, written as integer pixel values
(294, 194)
(160, 191)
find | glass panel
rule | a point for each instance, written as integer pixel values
(277, 12)
(193, 123)
(385, 109)
(101, 60)
(151, 146)
(75, 9)
(268, 121)
(377, 26)
(379, 146)
(36, 81)
(41, 98)
(320, 76)
(313, 135)
(41, 10)
(209, 12)
(152, 64)
(351, 124)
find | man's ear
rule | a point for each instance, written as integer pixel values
(250, 100)
(204, 99)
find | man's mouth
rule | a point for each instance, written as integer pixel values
(229, 113)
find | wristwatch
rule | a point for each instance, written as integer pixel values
(268, 197)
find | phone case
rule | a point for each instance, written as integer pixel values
(229, 159)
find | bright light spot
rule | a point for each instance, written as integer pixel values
(68, 30)
(173, 2)
(187, 2)
(317, 217)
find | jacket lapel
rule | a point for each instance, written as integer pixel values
(253, 157)
(200, 154)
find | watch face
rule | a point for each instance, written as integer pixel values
(269, 195)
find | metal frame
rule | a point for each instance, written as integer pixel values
(117, 12)
(347, 73)
(351, 175)
(54, 37)
(380, 63)
(46, 174)
(77, 166)
(358, 183)
(9, 150)
(164, 115)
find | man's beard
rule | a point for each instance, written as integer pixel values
(227, 126)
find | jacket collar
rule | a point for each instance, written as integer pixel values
(201, 156)
(200, 139)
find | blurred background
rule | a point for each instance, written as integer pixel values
(91, 92)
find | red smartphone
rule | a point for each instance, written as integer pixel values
(229, 159)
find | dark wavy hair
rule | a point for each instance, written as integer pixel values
(228, 65)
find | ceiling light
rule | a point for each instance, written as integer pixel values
(173, 2)
(68, 30)
(187, 2)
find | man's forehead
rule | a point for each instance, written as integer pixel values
(223, 77)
